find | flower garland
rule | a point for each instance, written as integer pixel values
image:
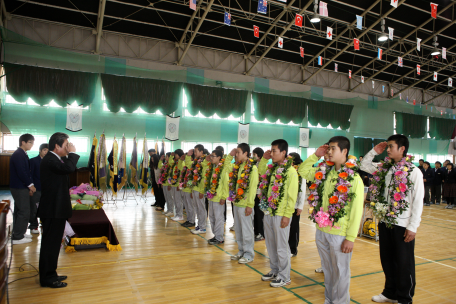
(277, 191)
(398, 189)
(338, 199)
(194, 175)
(299, 177)
(172, 180)
(181, 178)
(164, 173)
(213, 179)
(234, 195)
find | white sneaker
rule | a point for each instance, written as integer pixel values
(176, 218)
(35, 231)
(29, 236)
(199, 231)
(232, 228)
(319, 270)
(23, 241)
(236, 257)
(382, 299)
(169, 214)
(244, 260)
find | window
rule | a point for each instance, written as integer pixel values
(310, 151)
(417, 157)
(253, 119)
(11, 142)
(432, 158)
(9, 99)
(81, 143)
(186, 146)
(319, 126)
(139, 142)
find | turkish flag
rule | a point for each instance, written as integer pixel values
(356, 43)
(434, 10)
(298, 20)
(256, 31)
(301, 50)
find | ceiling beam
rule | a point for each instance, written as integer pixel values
(440, 95)
(407, 53)
(439, 83)
(277, 38)
(351, 43)
(101, 10)
(190, 22)
(195, 31)
(340, 34)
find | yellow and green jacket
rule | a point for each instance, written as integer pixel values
(286, 205)
(179, 167)
(186, 189)
(223, 186)
(200, 187)
(349, 224)
(171, 163)
(249, 196)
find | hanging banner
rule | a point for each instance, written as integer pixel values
(329, 33)
(435, 76)
(443, 53)
(301, 50)
(303, 137)
(320, 60)
(359, 22)
(450, 82)
(74, 119)
(373, 84)
(394, 3)
(391, 33)
(336, 67)
(362, 79)
(379, 53)
(243, 133)
(434, 10)
(262, 6)
(172, 128)
(349, 74)
(298, 20)
(280, 42)
(256, 31)
(227, 19)
(323, 9)
(356, 44)
(418, 44)
(400, 62)
(193, 4)
(418, 69)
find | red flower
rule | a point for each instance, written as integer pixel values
(319, 175)
(333, 199)
(342, 189)
(343, 175)
(313, 186)
(329, 163)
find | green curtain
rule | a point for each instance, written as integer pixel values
(43, 85)
(362, 146)
(440, 128)
(212, 100)
(274, 107)
(149, 94)
(385, 153)
(325, 113)
(411, 125)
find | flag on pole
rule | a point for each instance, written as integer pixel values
(349, 74)
(362, 79)
(414, 102)
(329, 33)
(336, 67)
(356, 43)
(406, 100)
(298, 20)
(280, 42)
(256, 31)
(450, 82)
(444, 53)
(373, 84)
(390, 33)
(323, 9)
(379, 53)
(227, 20)
(101, 163)
(122, 164)
(320, 60)
(383, 89)
(359, 22)
(400, 96)
(301, 50)
(134, 165)
(434, 10)
(262, 6)
(162, 151)
(435, 76)
(418, 69)
(418, 44)
(144, 167)
(193, 4)
(112, 160)
(394, 3)
(400, 62)
(93, 177)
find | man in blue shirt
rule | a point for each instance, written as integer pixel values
(35, 199)
(22, 187)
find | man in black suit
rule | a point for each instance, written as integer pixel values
(436, 188)
(428, 178)
(55, 205)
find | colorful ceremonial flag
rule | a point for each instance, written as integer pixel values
(144, 167)
(434, 10)
(349, 74)
(134, 165)
(418, 69)
(280, 43)
(362, 79)
(418, 44)
(450, 82)
(329, 33)
(93, 177)
(122, 164)
(112, 160)
(400, 62)
(298, 20)
(193, 4)
(379, 53)
(256, 31)
(336, 67)
(227, 19)
(301, 50)
(356, 43)
(444, 53)
(394, 3)
(390, 33)
(359, 22)
(262, 6)
(323, 9)
(320, 60)
(435, 76)
(163, 152)
(102, 160)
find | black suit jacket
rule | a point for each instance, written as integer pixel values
(439, 176)
(429, 176)
(450, 177)
(55, 199)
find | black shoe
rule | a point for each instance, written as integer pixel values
(56, 284)
(62, 278)
(214, 241)
(188, 225)
(211, 240)
(294, 254)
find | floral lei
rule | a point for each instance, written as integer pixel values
(212, 182)
(164, 172)
(243, 182)
(338, 200)
(398, 189)
(277, 191)
(181, 179)
(300, 178)
(194, 174)
(172, 180)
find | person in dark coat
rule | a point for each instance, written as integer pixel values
(55, 205)
(421, 162)
(436, 187)
(35, 163)
(428, 179)
(449, 186)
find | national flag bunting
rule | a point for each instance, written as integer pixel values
(390, 33)
(414, 101)
(329, 33)
(435, 76)
(400, 62)
(336, 67)
(256, 31)
(350, 74)
(193, 4)
(443, 53)
(373, 84)
(379, 53)
(323, 9)
(356, 43)
(301, 50)
(320, 60)
(262, 6)
(400, 96)
(392, 93)
(362, 79)
(298, 20)
(280, 42)
(418, 44)
(359, 22)
(227, 19)
(450, 82)
(418, 69)
(394, 3)
(434, 10)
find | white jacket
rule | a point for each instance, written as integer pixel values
(410, 218)
(302, 196)
(157, 174)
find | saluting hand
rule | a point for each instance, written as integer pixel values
(381, 147)
(267, 154)
(321, 151)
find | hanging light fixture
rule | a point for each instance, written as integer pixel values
(435, 50)
(383, 36)
(315, 17)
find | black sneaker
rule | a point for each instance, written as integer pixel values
(279, 282)
(268, 277)
(183, 224)
(188, 224)
(214, 241)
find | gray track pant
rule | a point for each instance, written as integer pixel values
(217, 218)
(178, 202)
(243, 227)
(169, 199)
(200, 207)
(188, 204)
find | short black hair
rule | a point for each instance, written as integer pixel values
(437, 162)
(57, 139)
(151, 150)
(427, 163)
(168, 153)
(245, 148)
(199, 147)
(360, 157)
(25, 137)
(220, 148)
(342, 142)
(179, 152)
(450, 164)
(156, 160)
(421, 160)
(296, 158)
(401, 141)
(206, 152)
(447, 160)
(258, 151)
(282, 144)
(218, 152)
(44, 146)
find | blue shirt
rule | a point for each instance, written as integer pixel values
(20, 175)
(35, 171)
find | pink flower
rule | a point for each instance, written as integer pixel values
(275, 188)
(214, 175)
(264, 176)
(399, 173)
(402, 187)
(270, 166)
(397, 197)
(278, 176)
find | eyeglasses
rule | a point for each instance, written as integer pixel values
(214, 156)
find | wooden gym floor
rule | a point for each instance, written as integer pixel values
(162, 262)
